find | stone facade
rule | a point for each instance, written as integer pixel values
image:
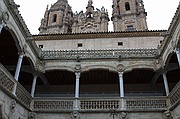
(85, 57)
(57, 19)
(91, 20)
(60, 19)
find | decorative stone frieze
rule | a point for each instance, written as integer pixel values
(120, 67)
(77, 68)
(100, 54)
(75, 115)
(32, 115)
(4, 17)
(158, 63)
(168, 115)
(123, 115)
(40, 66)
(12, 106)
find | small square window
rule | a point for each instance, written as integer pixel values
(80, 45)
(120, 43)
(41, 46)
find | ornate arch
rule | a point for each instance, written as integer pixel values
(110, 68)
(139, 66)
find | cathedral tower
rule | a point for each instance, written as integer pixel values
(91, 21)
(129, 15)
(57, 19)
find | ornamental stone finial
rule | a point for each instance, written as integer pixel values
(90, 2)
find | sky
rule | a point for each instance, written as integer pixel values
(159, 12)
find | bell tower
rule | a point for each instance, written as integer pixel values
(57, 19)
(129, 15)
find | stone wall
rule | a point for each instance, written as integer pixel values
(101, 43)
(108, 115)
(176, 112)
(11, 109)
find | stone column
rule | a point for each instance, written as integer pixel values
(121, 88)
(1, 26)
(121, 84)
(33, 86)
(18, 67)
(178, 55)
(77, 91)
(166, 84)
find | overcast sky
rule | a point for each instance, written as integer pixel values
(159, 12)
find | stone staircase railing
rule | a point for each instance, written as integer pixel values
(174, 96)
(7, 83)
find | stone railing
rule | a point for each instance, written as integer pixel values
(146, 103)
(174, 96)
(6, 81)
(99, 104)
(96, 54)
(23, 95)
(55, 104)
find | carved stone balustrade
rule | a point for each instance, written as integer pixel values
(148, 103)
(23, 95)
(99, 104)
(174, 96)
(54, 104)
(6, 81)
(100, 54)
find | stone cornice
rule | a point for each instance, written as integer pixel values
(175, 20)
(99, 35)
(13, 9)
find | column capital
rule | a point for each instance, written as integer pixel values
(177, 50)
(120, 73)
(78, 75)
(21, 54)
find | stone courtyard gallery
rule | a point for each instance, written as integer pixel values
(76, 69)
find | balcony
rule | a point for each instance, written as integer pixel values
(86, 104)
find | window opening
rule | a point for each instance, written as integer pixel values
(120, 43)
(127, 6)
(80, 45)
(41, 46)
(54, 17)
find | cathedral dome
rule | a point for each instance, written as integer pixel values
(60, 4)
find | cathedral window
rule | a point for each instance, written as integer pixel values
(130, 28)
(54, 18)
(127, 6)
